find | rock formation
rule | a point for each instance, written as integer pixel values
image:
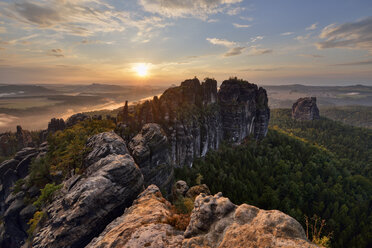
(24, 138)
(305, 109)
(88, 202)
(14, 210)
(196, 118)
(142, 225)
(150, 150)
(73, 119)
(244, 110)
(215, 222)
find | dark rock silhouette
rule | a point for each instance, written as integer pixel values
(305, 109)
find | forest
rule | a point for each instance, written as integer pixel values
(308, 168)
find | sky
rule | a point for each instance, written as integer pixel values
(161, 42)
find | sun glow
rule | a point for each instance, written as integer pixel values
(141, 69)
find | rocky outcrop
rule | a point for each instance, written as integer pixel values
(216, 222)
(196, 118)
(142, 225)
(14, 210)
(73, 119)
(88, 202)
(305, 109)
(244, 110)
(150, 150)
(56, 125)
(24, 138)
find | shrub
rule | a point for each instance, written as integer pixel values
(39, 216)
(316, 226)
(46, 195)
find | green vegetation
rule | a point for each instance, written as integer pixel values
(300, 168)
(38, 217)
(353, 146)
(46, 195)
(359, 116)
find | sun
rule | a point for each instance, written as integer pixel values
(141, 69)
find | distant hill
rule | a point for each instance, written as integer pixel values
(24, 90)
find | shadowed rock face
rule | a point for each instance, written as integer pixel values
(150, 150)
(244, 110)
(196, 118)
(305, 109)
(14, 210)
(87, 203)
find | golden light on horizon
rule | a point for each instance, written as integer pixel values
(141, 69)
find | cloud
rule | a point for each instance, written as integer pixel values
(235, 11)
(83, 17)
(234, 51)
(242, 25)
(221, 42)
(262, 69)
(259, 51)
(303, 38)
(312, 27)
(2, 30)
(56, 53)
(286, 33)
(311, 55)
(257, 38)
(245, 18)
(88, 42)
(189, 8)
(357, 63)
(355, 35)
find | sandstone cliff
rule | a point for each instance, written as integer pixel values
(196, 117)
(305, 109)
(215, 222)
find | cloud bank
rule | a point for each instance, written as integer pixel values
(356, 35)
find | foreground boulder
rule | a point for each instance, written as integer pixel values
(142, 225)
(217, 222)
(150, 150)
(305, 109)
(88, 202)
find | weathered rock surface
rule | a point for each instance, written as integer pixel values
(196, 190)
(12, 207)
(179, 189)
(103, 144)
(196, 118)
(24, 138)
(150, 150)
(244, 110)
(73, 119)
(305, 109)
(142, 225)
(89, 202)
(217, 222)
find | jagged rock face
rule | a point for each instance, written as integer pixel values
(196, 118)
(89, 202)
(24, 138)
(305, 109)
(56, 125)
(150, 150)
(14, 210)
(73, 119)
(142, 225)
(244, 110)
(216, 222)
(103, 144)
